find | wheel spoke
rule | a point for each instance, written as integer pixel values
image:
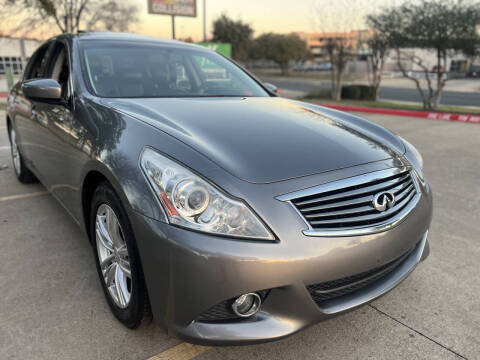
(125, 266)
(104, 265)
(110, 274)
(122, 292)
(113, 227)
(15, 154)
(122, 251)
(103, 234)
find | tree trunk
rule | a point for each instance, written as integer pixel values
(338, 86)
(332, 80)
(442, 58)
(284, 69)
(436, 96)
(376, 91)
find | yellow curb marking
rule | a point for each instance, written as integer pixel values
(183, 351)
(23, 196)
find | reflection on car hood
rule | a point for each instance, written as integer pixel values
(265, 139)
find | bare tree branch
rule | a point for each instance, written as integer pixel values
(67, 15)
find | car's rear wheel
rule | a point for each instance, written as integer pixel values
(23, 174)
(117, 259)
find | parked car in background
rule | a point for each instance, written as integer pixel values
(474, 71)
(311, 66)
(233, 215)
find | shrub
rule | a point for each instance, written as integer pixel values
(319, 94)
(358, 92)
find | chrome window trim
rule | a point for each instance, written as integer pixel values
(352, 181)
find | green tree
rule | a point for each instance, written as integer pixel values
(378, 46)
(282, 49)
(444, 28)
(69, 16)
(379, 43)
(339, 51)
(237, 33)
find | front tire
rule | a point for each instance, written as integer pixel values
(23, 174)
(117, 260)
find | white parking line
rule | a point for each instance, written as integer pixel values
(4, 147)
(23, 196)
(183, 351)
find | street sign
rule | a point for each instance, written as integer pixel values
(173, 7)
(222, 48)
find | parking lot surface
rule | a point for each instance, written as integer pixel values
(52, 305)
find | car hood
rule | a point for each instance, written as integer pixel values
(264, 140)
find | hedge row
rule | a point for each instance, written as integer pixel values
(358, 92)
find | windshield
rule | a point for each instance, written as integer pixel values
(148, 70)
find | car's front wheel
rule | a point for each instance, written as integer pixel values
(23, 174)
(118, 262)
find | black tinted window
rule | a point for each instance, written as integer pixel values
(145, 70)
(37, 63)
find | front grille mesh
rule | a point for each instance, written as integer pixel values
(352, 207)
(336, 288)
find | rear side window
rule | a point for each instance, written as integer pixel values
(36, 66)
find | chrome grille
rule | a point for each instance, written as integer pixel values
(345, 207)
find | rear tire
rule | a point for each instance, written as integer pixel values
(114, 246)
(23, 174)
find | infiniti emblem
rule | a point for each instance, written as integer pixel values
(383, 201)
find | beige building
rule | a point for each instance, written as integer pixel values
(457, 64)
(15, 52)
(355, 40)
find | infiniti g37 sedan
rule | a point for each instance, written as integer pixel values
(231, 215)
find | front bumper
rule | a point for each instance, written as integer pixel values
(187, 273)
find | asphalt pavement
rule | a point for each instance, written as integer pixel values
(52, 305)
(301, 87)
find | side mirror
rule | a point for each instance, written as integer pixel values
(47, 90)
(272, 88)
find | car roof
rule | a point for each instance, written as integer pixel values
(117, 36)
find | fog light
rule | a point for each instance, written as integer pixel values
(247, 305)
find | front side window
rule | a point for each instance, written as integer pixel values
(36, 65)
(147, 70)
(58, 67)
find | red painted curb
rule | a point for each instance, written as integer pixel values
(3, 95)
(410, 113)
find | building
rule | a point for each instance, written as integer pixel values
(15, 52)
(355, 40)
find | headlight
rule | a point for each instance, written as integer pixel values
(191, 202)
(414, 156)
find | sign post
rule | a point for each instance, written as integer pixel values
(173, 8)
(10, 79)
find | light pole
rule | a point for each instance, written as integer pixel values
(204, 20)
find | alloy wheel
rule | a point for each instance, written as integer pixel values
(15, 154)
(113, 256)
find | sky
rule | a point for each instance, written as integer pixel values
(281, 16)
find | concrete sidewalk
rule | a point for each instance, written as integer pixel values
(52, 305)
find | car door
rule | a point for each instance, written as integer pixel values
(24, 109)
(52, 122)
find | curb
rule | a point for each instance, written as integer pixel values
(475, 119)
(3, 95)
